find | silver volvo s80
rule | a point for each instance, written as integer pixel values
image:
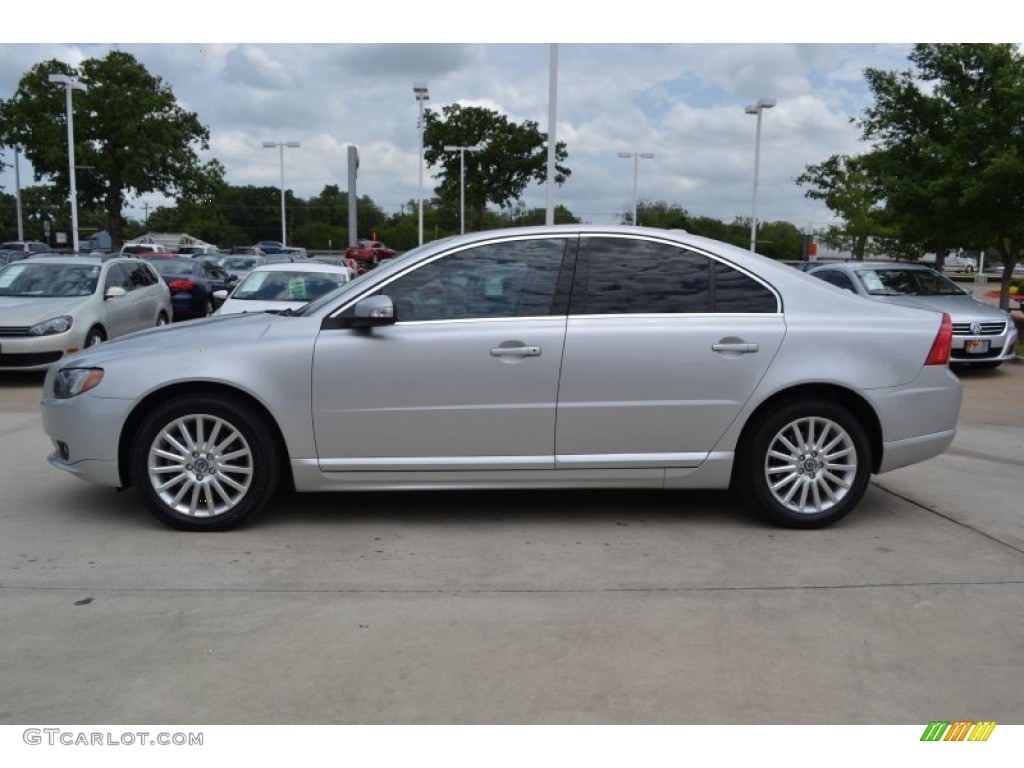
(547, 357)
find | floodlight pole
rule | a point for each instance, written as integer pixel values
(71, 84)
(282, 145)
(757, 109)
(419, 88)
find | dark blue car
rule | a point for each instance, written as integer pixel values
(192, 283)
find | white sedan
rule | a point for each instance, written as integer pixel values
(285, 285)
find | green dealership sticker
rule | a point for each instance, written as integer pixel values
(297, 288)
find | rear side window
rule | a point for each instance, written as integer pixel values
(623, 276)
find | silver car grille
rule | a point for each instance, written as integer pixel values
(14, 331)
(979, 329)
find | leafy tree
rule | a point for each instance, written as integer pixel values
(949, 147)
(511, 156)
(131, 136)
(521, 216)
(845, 186)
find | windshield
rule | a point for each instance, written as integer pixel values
(907, 282)
(172, 266)
(48, 280)
(287, 286)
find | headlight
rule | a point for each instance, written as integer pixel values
(74, 381)
(52, 326)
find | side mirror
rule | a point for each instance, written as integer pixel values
(372, 312)
(115, 292)
(220, 295)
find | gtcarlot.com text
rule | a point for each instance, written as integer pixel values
(57, 736)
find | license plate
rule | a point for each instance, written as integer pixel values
(976, 346)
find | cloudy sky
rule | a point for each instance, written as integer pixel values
(682, 101)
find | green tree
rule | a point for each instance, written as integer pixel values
(509, 158)
(844, 184)
(131, 136)
(949, 147)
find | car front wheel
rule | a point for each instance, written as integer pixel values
(807, 464)
(204, 463)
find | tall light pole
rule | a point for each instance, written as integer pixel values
(71, 84)
(419, 88)
(462, 178)
(282, 145)
(636, 170)
(756, 109)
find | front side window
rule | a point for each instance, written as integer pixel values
(508, 279)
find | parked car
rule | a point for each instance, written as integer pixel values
(371, 251)
(192, 282)
(279, 258)
(268, 247)
(566, 356)
(983, 335)
(240, 266)
(245, 250)
(53, 307)
(298, 253)
(958, 263)
(142, 249)
(282, 286)
(27, 247)
(198, 250)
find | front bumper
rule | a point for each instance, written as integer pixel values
(85, 431)
(37, 353)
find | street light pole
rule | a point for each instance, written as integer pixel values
(419, 88)
(636, 172)
(71, 84)
(462, 178)
(757, 109)
(282, 145)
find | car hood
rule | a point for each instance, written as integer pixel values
(16, 311)
(960, 308)
(239, 306)
(190, 335)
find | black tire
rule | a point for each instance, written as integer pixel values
(162, 319)
(94, 337)
(212, 486)
(783, 467)
(208, 308)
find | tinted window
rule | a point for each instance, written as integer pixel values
(116, 277)
(626, 276)
(737, 292)
(509, 279)
(836, 278)
(139, 275)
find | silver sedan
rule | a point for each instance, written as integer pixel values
(547, 357)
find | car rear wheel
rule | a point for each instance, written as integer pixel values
(161, 319)
(807, 464)
(204, 463)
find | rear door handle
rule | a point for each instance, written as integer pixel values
(735, 346)
(524, 351)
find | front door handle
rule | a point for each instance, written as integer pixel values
(523, 351)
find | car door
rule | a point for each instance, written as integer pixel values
(143, 293)
(466, 379)
(664, 346)
(119, 312)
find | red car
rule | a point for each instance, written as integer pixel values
(372, 251)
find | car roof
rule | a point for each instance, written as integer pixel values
(63, 260)
(302, 266)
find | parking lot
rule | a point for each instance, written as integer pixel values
(539, 607)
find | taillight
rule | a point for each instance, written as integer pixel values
(181, 285)
(939, 354)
